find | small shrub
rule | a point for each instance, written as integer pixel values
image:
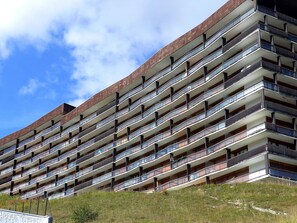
(83, 213)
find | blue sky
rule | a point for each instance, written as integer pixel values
(54, 51)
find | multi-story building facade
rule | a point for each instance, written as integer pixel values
(218, 105)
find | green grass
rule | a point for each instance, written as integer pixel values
(210, 203)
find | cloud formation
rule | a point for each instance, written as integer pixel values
(108, 38)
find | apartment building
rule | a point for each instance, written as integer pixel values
(217, 105)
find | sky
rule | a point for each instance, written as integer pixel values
(54, 52)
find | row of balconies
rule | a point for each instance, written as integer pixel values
(273, 87)
(212, 149)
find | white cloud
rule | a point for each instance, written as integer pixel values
(31, 87)
(108, 38)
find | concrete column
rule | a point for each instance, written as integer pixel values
(267, 165)
(129, 103)
(188, 65)
(142, 110)
(171, 126)
(275, 78)
(205, 107)
(273, 117)
(128, 132)
(117, 97)
(171, 61)
(206, 142)
(114, 139)
(205, 72)
(286, 27)
(225, 76)
(114, 153)
(223, 41)
(143, 81)
(204, 39)
(127, 163)
(294, 123)
(188, 134)
(187, 100)
(228, 154)
(157, 86)
(227, 114)
(156, 118)
(188, 171)
(207, 180)
(141, 140)
(155, 183)
(171, 159)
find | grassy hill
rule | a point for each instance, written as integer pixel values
(210, 203)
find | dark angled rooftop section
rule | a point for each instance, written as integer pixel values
(288, 7)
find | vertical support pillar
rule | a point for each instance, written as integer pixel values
(187, 100)
(128, 132)
(129, 103)
(267, 165)
(273, 117)
(157, 86)
(275, 78)
(188, 135)
(171, 159)
(265, 20)
(207, 180)
(141, 140)
(155, 183)
(140, 171)
(228, 154)
(262, 99)
(286, 27)
(205, 107)
(143, 81)
(294, 123)
(206, 142)
(294, 64)
(114, 153)
(188, 171)
(293, 47)
(115, 137)
(127, 163)
(116, 122)
(171, 62)
(117, 98)
(225, 76)
(227, 114)
(271, 40)
(223, 41)
(142, 110)
(188, 65)
(171, 126)
(205, 72)
(204, 39)
(279, 62)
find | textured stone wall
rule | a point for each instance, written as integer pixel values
(7, 216)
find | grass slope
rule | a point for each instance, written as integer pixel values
(210, 203)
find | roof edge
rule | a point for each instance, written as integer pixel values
(60, 110)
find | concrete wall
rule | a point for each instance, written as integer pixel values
(7, 216)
